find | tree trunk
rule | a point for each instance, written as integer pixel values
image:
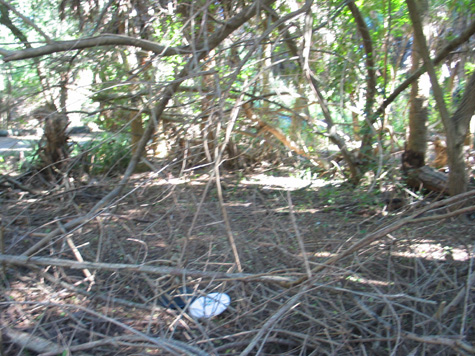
(416, 145)
(367, 130)
(53, 147)
(456, 127)
(460, 121)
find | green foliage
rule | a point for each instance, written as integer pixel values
(346, 195)
(4, 166)
(119, 83)
(306, 173)
(108, 154)
(31, 157)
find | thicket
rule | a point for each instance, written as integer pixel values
(202, 99)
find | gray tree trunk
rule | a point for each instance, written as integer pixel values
(456, 127)
(456, 136)
(416, 145)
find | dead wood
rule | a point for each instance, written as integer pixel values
(317, 316)
(173, 271)
(428, 178)
(32, 342)
(94, 344)
(16, 183)
(170, 345)
(454, 343)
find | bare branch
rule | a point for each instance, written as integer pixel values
(464, 36)
(91, 42)
(156, 114)
(167, 344)
(172, 271)
(110, 40)
(26, 20)
(369, 59)
(381, 233)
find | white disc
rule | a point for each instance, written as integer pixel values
(211, 305)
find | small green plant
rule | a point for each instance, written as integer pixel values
(307, 173)
(108, 154)
(3, 164)
(31, 158)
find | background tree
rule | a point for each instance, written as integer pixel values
(456, 128)
(274, 60)
(249, 117)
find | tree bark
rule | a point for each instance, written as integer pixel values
(454, 44)
(456, 127)
(416, 145)
(460, 120)
(369, 119)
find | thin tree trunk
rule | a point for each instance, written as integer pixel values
(367, 126)
(458, 179)
(355, 174)
(416, 145)
(456, 127)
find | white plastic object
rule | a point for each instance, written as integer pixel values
(211, 305)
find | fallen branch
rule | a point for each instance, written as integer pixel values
(32, 342)
(273, 321)
(173, 271)
(460, 295)
(98, 343)
(171, 345)
(16, 183)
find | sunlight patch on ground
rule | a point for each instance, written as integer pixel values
(434, 251)
(324, 254)
(172, 181)
(359, 279)
(287, 183)
(244, 205)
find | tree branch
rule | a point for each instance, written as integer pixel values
(464, 36)
(26, 20)
(369, 59)
(172, 271)
(7, 22)
(156, 114)
(91, 42)
(380, 233)
(120, 40)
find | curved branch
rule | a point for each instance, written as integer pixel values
(156, 115)
(464, 36)
(369, 51)
(110, 40)
(7, 22)
(26, 20)
(90, 42)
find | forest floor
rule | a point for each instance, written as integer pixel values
(379, 273)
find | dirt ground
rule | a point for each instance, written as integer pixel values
(312, 268)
